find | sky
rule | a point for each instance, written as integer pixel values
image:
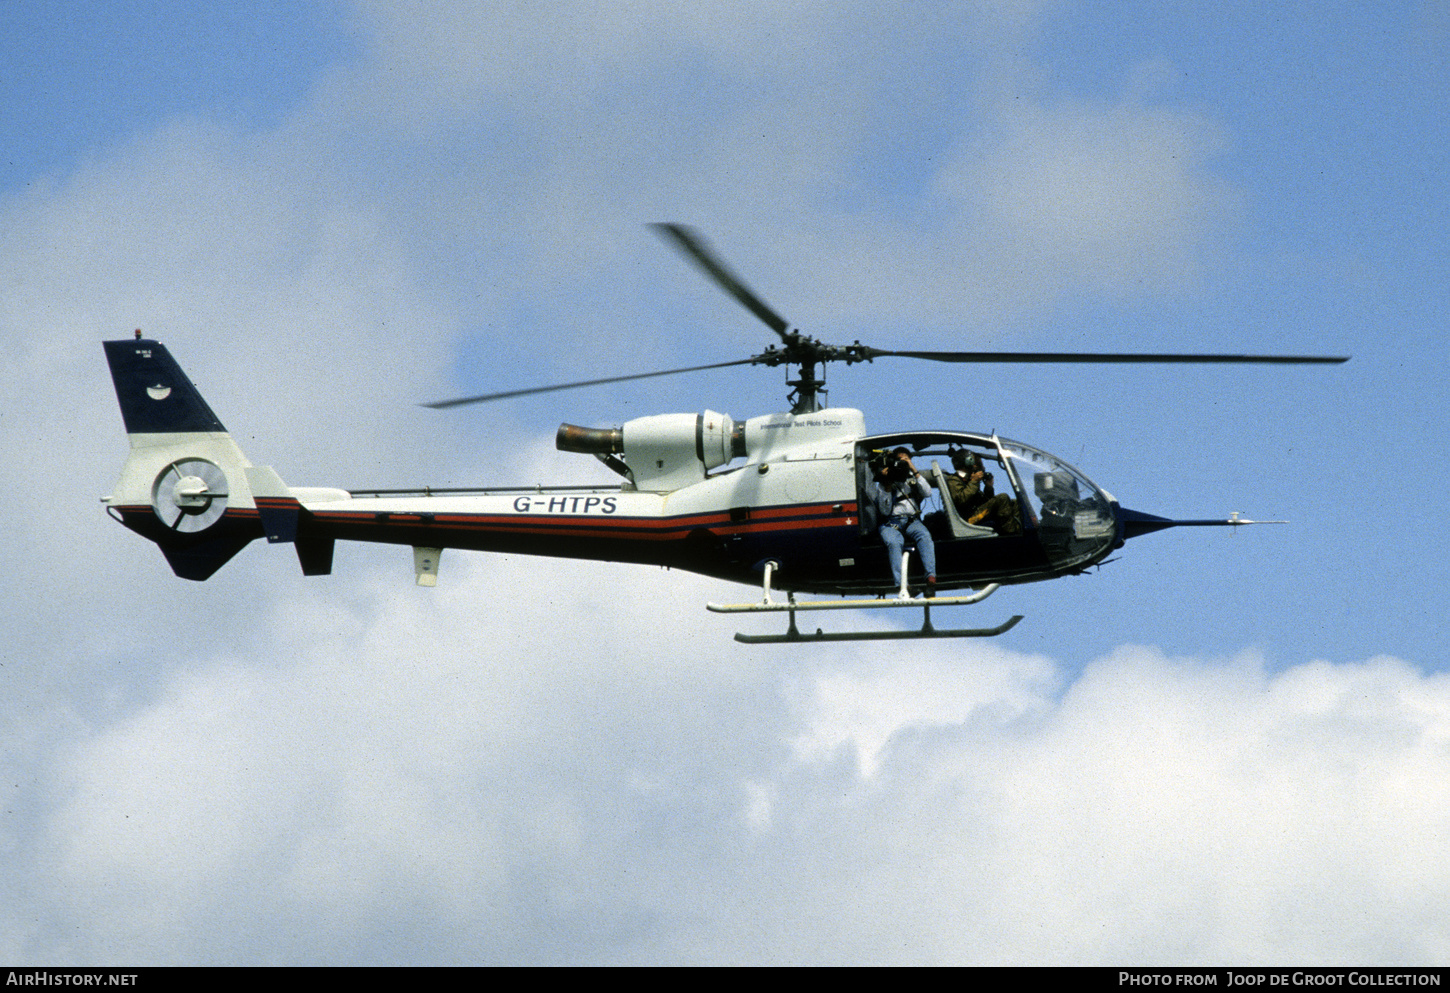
(1223, 747)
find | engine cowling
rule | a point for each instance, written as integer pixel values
(664, 452)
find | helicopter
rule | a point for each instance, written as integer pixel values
(786, 502)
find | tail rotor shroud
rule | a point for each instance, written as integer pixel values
(190, 495)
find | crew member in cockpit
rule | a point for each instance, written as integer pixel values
(973, 494)
(900, 490)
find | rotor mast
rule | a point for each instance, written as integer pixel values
(808, 391)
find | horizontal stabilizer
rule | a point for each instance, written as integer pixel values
(276, 506)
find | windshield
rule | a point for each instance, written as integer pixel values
(1074, 518)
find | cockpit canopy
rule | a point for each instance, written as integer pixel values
(1050, 501)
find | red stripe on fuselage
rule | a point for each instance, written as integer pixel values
(779, 518)
(761, 520)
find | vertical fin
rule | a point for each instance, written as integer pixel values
(154, 394)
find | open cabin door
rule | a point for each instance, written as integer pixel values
(934, 454)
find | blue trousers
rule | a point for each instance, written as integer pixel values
(892, 535)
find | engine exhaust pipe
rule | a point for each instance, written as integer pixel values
(589, 441)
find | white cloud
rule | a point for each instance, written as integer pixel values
(638, 782)
(925, 688)
(425, 750)
(1107, 195)
(1177, 810)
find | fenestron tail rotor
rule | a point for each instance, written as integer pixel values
(190, 495)
(805, 352)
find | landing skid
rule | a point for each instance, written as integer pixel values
(793, 633)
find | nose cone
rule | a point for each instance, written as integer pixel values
(1132, 523)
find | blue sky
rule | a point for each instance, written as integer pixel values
(82, 79)
(1224, 747)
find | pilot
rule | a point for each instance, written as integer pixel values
(900, 489)
(972, 493)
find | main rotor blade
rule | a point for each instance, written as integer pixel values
(486, 397)
(1111, 357)
(694, 246)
